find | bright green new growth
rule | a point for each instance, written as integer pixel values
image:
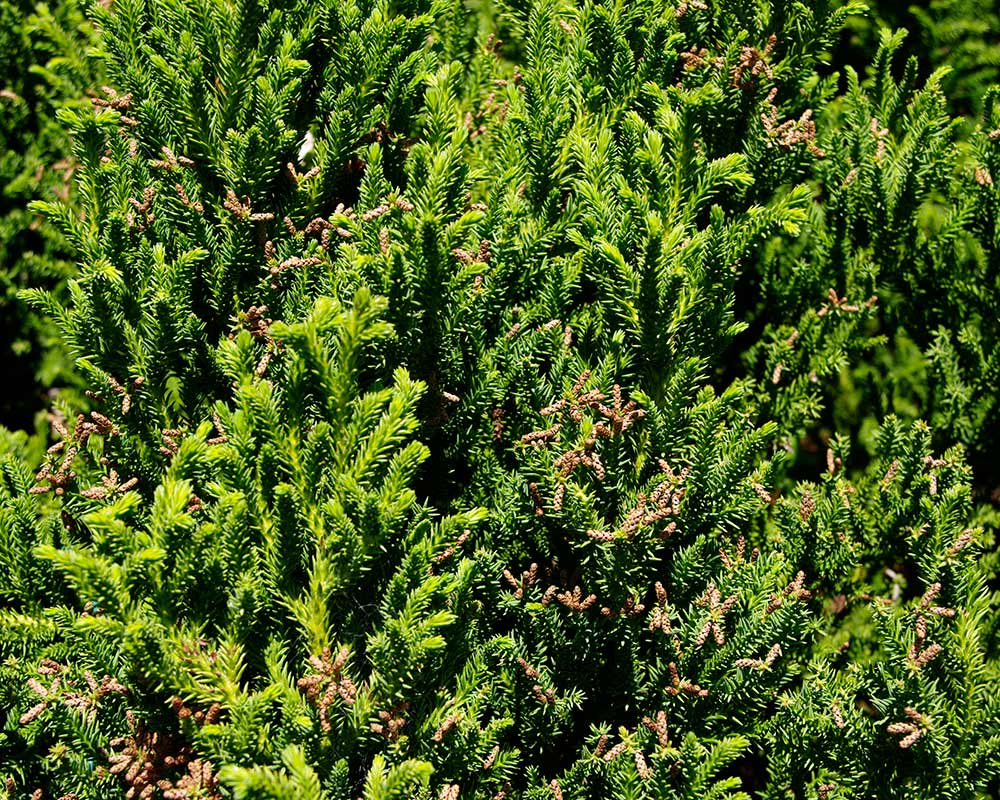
(460, 414)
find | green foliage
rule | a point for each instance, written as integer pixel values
(44, 68)
(902, 211)
(958, 35)
(578, 415)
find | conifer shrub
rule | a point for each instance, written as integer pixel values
(509, 400)
(43, 66)
(943, 33)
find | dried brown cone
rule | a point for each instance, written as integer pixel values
(200, 783)
(327, 683)
(753, 63)
(529, 670)
(543, 696)
(142, 759)
(391, 722)
(641, 766)
(912, 731)
(806, 507)
(678, 686)
(528, 578)
(615, 751)
(574, 601)
(718, 608)
(659, 727)
(536, 497)
(492, 757)
(445, 727)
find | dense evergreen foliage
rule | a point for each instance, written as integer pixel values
(503, 399)
(43, 67)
